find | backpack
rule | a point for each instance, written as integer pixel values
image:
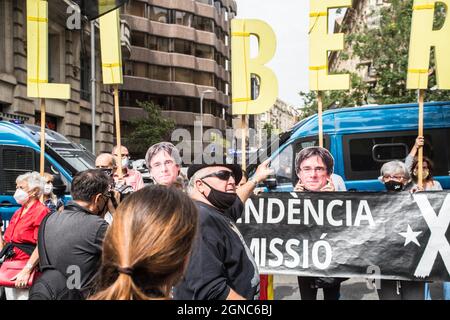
(52, 284)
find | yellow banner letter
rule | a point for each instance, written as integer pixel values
(422, 38)
(111, 48)
(37, 54)
(243, 67)
(320, 43)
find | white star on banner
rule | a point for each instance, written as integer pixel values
(410, 236)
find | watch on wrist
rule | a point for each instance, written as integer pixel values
(255, 182)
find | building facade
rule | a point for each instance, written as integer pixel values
(179, 50)
(362, 14)
(69, 62)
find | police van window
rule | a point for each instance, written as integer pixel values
(364, 154)
(282, 165)
(14, 161)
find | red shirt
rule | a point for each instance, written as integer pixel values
(25, 229)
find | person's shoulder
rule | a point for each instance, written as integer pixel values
(207, 214)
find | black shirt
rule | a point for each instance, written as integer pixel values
(74, 238)
(220, 260)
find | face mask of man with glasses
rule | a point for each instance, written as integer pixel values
(216, 186)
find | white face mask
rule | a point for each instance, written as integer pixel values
(125, 162)
(48, 188)
(21, 196)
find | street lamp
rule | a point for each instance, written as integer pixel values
(201, 114)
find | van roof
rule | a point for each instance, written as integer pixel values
(26, 132)
(393, 117)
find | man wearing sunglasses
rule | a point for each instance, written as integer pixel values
(221, 265)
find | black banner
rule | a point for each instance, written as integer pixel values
(400, 236)
(93, 9)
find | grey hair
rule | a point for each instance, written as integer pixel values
(34, 181)
(393, 167)
(198, 175)
(162, 146)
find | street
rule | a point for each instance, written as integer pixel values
(286, 288)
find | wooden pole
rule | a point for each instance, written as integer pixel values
(420, 153)
(117, 120)
(42, 159)
(319, 115)
(244, 136)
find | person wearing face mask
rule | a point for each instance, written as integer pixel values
(130, 177)
(395, 176)
(74, 237)
(411, 162)
(20, 236)
(221, 265)
(49, 199)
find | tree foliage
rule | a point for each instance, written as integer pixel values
(387, 47)
(148, 130)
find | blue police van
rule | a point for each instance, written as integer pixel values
(361, 140)
(20, 153)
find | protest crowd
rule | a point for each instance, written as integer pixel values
(120, 239)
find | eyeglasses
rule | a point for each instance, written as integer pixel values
(123, 155)
(316, 169)
(222, 175)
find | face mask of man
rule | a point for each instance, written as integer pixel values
(219, 199)
(21, 196)
(48, 188)
(125, 162)
(393, 186)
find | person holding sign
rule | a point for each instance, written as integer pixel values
(395, 176)
(412, 164)
(314, 168)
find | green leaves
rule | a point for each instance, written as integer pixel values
(146, 131)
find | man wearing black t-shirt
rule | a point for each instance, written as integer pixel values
(221, 265)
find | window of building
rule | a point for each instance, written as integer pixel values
(204, 79)
(138, 39)
(136, 8)
(183, 46)
(140, 69)
(218, 5)
(202, 23)
(204, 51)
(159, 14)
(6, 36)
(184, 75)
(183, 18)
(159, 72)
(85, 77)
(210, 2)
(128, 68)
(86, 135)
(54, 58)
(158, 43)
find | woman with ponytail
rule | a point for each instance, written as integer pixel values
(146, 249)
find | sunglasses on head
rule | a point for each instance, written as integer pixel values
(222, 175)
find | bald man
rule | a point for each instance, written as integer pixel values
(130, 177)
